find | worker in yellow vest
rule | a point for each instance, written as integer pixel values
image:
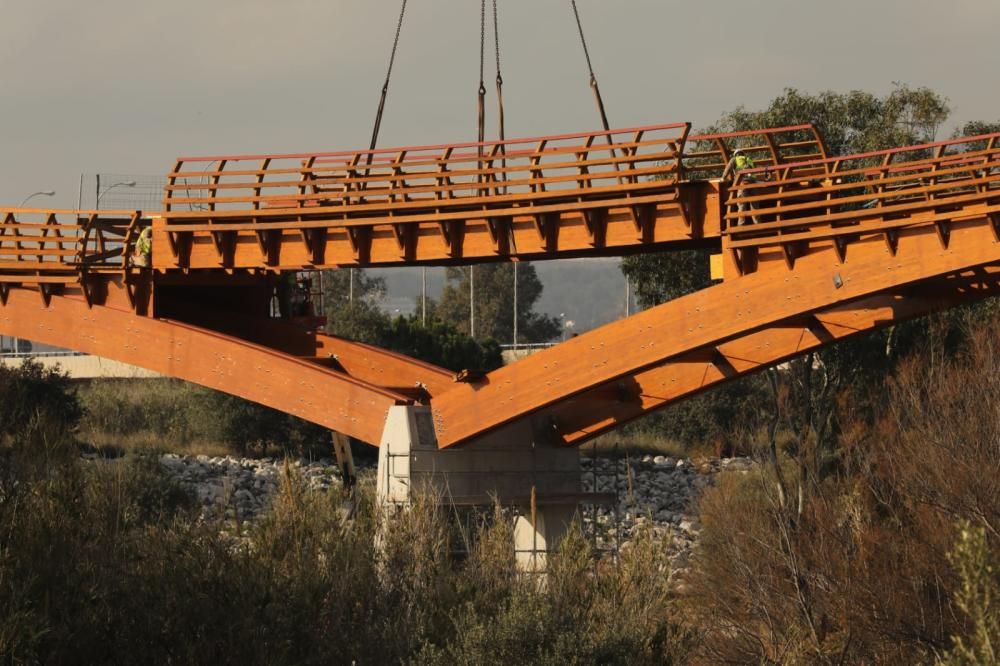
(741, 162)
(141, 254)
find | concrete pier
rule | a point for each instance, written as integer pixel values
(515, 465)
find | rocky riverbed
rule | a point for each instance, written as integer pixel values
(654, 490)
(243, 487)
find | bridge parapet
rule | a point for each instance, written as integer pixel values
(840, 200)
(49, 249)
(444, 203)
(707, 155)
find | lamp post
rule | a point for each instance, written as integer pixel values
(42, 193)
(423, 296)
(123, 183)
(472, 301)
(515, 306)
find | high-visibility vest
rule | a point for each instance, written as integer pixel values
(743, 162)
(144, 244)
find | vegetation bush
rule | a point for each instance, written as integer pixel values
(978, 596)
(440, 343)
(157, 410)
(168, 414)
(32, 396)
(104, 561)
(846, 559)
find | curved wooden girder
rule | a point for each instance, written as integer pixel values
(367, 363)
(821, 279)
(203, 357)
(614, 404)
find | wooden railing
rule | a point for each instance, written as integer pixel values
(398, 181)
(40, 246)
(870, 193)
(706, 155)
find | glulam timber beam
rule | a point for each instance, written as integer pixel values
(173, 349)
(709, 318)
(605, 408)
(367, 363)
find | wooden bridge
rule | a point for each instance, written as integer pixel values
(814, 249)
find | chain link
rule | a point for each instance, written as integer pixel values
(500, 118)
(395, 45)
(482, 45)
(385, 86)
(593, 81)
(496, 40)
(583, 40)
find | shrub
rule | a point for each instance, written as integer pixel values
(852, 565)
(105, 562)
(174, 415)
(440, 343)
(978, 596)
(33, 396)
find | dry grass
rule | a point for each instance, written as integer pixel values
(852, 566)
(638, 442)
(106, 562)
(110, 445)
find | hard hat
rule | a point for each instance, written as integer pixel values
(738, 151)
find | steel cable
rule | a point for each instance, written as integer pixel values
(385, 86)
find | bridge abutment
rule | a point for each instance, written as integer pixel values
(515, 466)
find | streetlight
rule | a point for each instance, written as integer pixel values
(123, 183)
(515, 306)
(43, 193)
(472, 301)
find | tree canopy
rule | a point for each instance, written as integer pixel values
(494, 292)
(351, 306)
(852, 122)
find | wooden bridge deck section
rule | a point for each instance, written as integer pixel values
(616, 192)
(815, 249)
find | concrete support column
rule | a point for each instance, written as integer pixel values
(514, 465)
(538, 533)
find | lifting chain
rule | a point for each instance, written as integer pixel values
(496, 41)
(385, 86)
(590, 68)
(500, 123)
(597, 90)
(482, 69)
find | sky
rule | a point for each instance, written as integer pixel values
(118, 86)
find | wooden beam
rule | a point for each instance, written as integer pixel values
(593, 413)
(704, 318)
(203, 357)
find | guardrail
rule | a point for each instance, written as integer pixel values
(879, 192)
(447, 176)
(527, 345)
(706, 155)
(52, 247)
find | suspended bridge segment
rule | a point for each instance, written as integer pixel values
(600, 193)
(813, 249)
